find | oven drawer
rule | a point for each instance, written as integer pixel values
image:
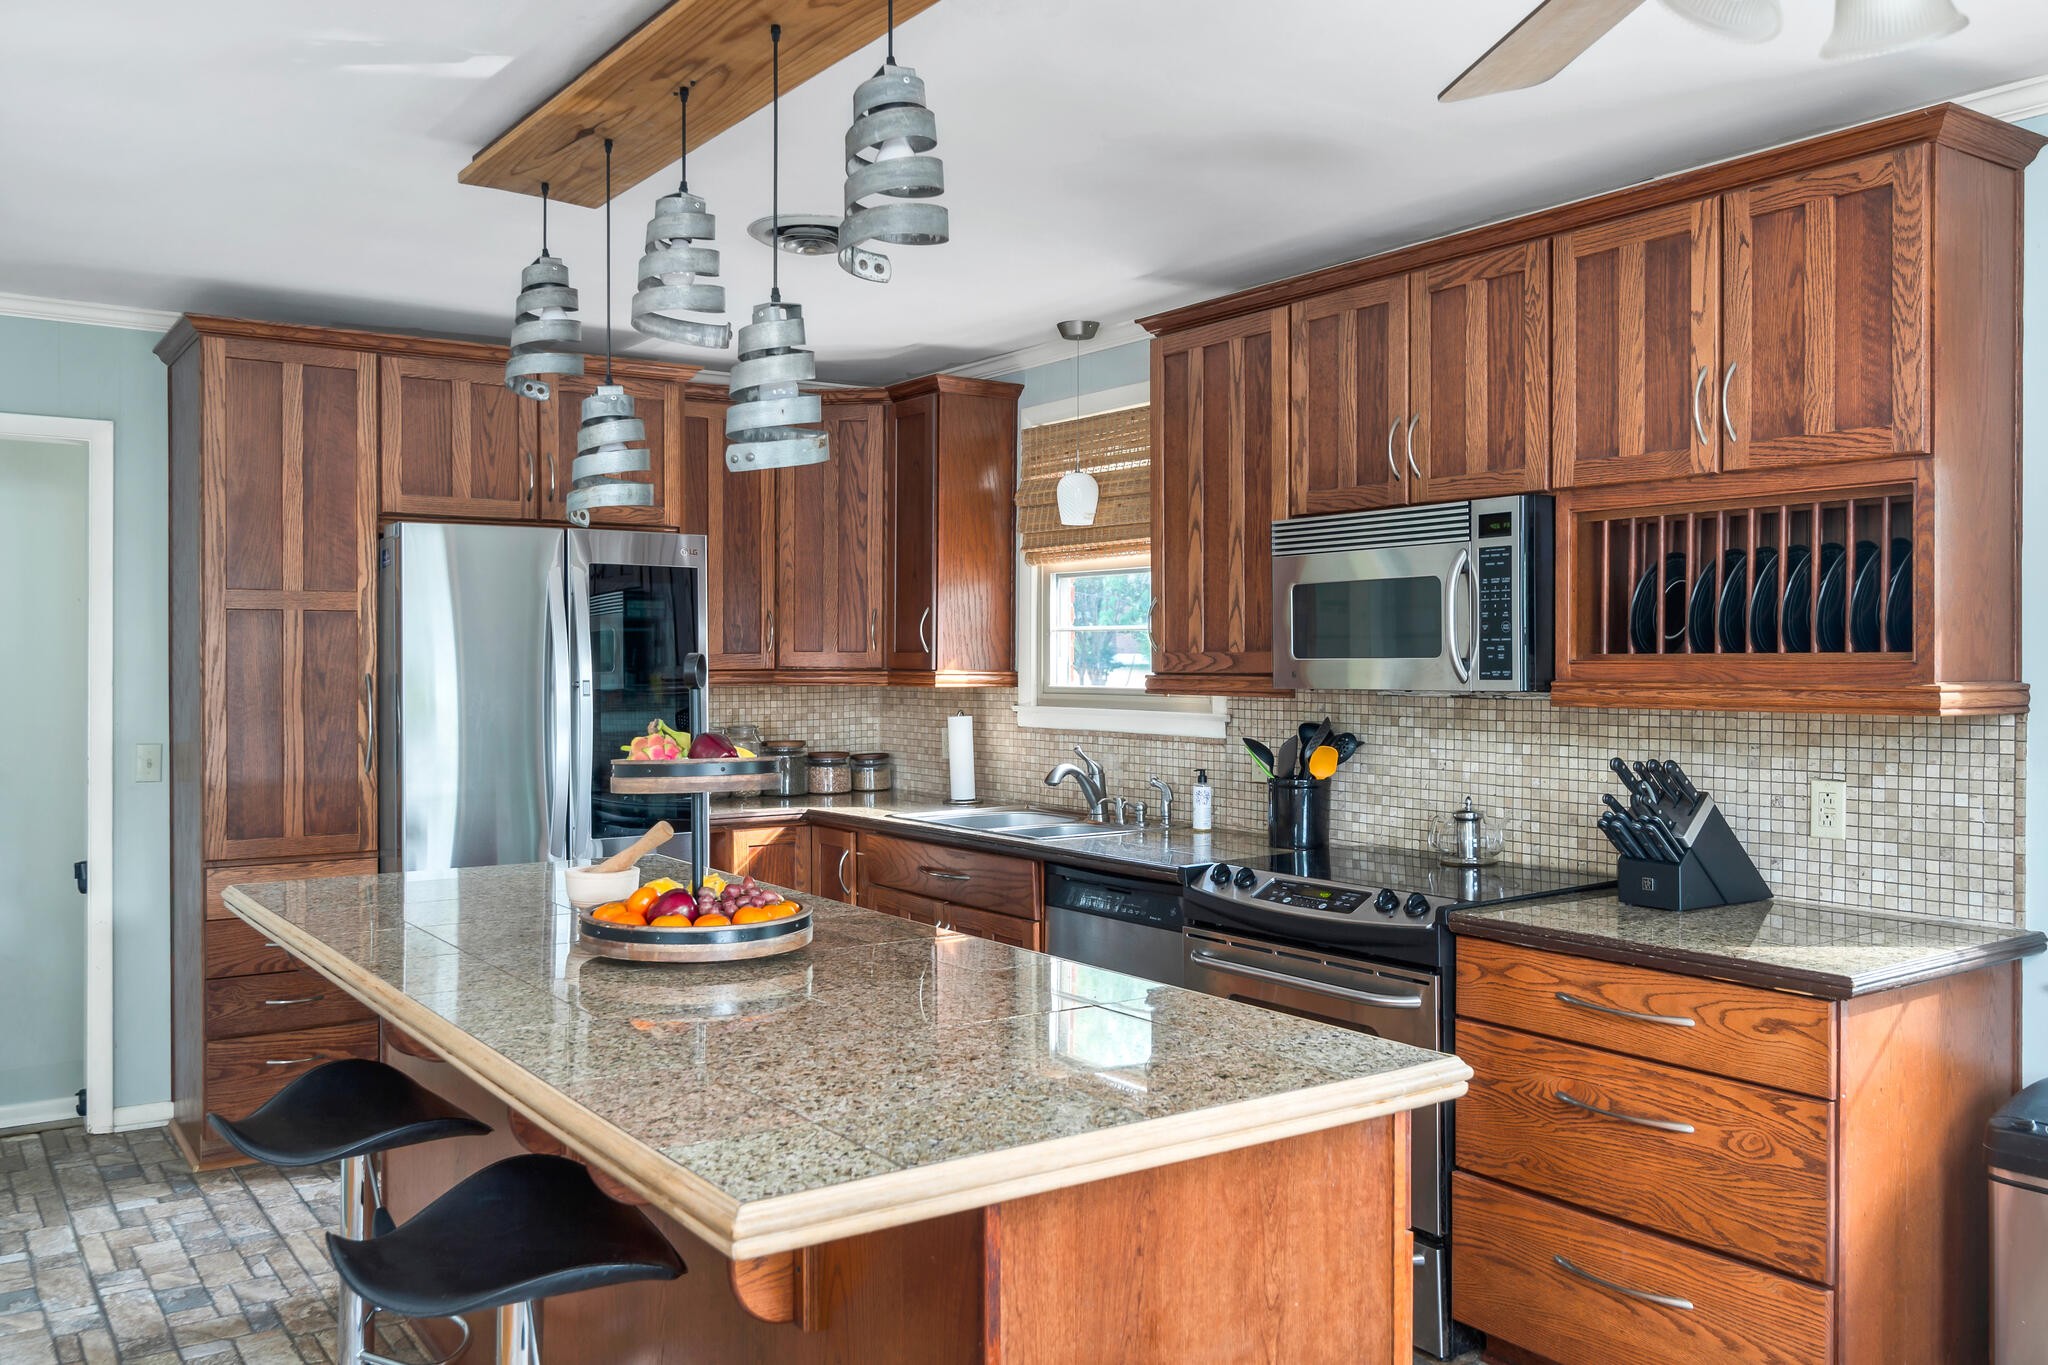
(237, 1006)
(1772, 1038)
(1722, 1162)
(1573, 1287)
(985, 881)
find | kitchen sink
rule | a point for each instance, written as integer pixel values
(1019, 822)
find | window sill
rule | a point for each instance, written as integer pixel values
(1125, 720)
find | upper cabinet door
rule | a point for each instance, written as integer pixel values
(289, 570)
(1219, 442)
(833, 525)
(457, 442)
(1636, 364)
(1479, 373)
(1349, 393)
(913, 510)
(735, 513)
(1827, 330)
(654, 403)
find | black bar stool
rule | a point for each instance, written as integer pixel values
(348, 1111)
(516, 1232)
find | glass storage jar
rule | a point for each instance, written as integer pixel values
(788, 757)
(830, 772)
(873, 772)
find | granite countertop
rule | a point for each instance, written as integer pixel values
(886, 1074)
(1835, 952)
(1153, 848)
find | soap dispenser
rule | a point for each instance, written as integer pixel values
(1203, 818)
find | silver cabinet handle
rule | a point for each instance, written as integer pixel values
(1676, 1021)
(1661, 1300)
(922, 638)
(1699, 425)
(272, 943)
(551, 480)
(874, 620)
(526, 473)
(1412, 467)
(369, 722)
(1662, 1125)
(771, 635)
(1392, 1002)
(844, 889)
(289, 1061)
(1393, 464)
(296, 1000)
(1459, 567)
(945, 876)
(1727, 417)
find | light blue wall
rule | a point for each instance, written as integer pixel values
(2034, 595)
(1113, 368)
(59, 369)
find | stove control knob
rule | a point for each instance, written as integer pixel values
(1246, 878)
(1220, 873)
(1417, 906)
(1386, 902)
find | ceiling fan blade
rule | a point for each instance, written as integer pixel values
(1545, 43)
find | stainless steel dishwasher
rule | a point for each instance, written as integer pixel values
(1124, 924)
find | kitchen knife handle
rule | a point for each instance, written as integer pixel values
(1607, 798)
(1628, 779)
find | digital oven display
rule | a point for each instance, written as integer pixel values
(1304, 896)
(1493, 525)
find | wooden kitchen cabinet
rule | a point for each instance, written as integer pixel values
(1219, 475)
(1828, 340)
(656, 403)
(951, 614)
(987, 895)
(1479, 375)
(832, 528)
(1348, 392)
(735, 513)
(833, 873)
(779, 854)
(1635, 359)
(456, 441)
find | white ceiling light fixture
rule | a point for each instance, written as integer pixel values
(542, 330)
(610, 441)
(1746, 21)
(1871, 28)
(889, 172)
(1077, 493)
(672, 271)
(771, 423)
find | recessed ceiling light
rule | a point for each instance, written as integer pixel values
(803, 234)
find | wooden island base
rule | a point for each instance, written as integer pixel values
(1296, 1250)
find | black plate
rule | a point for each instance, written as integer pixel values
(1734, 600)
(1642, 614)
(1898, 599)
(1865, 631)
(1796, 608)
(1700, 616)
(1830, 617)
(1763, 602)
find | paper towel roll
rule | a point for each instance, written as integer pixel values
(960, 756)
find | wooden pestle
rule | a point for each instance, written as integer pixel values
(638, 849)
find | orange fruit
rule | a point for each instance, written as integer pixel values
(784, 909)
(754, 914)
(615, 912)
(714, 920)
(661, 885)
(669, 922)
(640, 900)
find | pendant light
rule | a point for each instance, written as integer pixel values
(1871, 28)
(673, 266)
(542, 330)
(610, 441)
(1077, 493)
(771, 425)
(888, 170)
(1746, 21)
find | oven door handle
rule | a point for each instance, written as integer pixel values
(1461, 566)
(1392, 1002)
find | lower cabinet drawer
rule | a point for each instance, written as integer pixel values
(1018, 933)
(1730, 1165)
(275, 1002)
(1574, 1288)
(241, 1073)
(958, 876)
(237, 948)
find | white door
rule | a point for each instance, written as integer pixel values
(43, 618)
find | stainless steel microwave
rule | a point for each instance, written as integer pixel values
(1451, 598)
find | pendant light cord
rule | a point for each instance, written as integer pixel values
(683, 135)
(608, 261)
(543, 217)
(892, 33)
(1077, 404)
(775, 165)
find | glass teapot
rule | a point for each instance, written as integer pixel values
(1461, 839)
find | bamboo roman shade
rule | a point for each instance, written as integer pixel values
(1116, 447)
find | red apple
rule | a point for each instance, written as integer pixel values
(676, 902)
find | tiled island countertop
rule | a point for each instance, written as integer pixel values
(1835, 952)
(886, 1074)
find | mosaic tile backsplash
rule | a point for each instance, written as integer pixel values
(1936, 820)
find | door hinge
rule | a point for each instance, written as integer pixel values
(78, 875)
(81, 1094)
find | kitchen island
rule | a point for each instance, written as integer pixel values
(898, 1143)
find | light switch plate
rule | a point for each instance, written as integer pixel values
(149, 763)
(1828, 809)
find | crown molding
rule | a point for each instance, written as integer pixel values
(2019, 100)
(87, 314)
(1112, 335)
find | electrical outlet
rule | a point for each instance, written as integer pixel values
(149, 763)
(1828, 809)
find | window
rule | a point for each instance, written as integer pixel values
(1098, 629)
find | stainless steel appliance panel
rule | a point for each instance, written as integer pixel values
(1120, 924)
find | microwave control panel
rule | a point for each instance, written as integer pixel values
(1496, 569)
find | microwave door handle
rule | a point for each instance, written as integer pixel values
(1459, 566)
(1472, 577)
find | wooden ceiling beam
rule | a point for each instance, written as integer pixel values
(628, 94)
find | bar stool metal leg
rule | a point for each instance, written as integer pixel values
(518, 1335)
(352, 1315)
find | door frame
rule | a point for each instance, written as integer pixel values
(95, 438)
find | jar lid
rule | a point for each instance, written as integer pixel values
(782, 746)
(869, 760)
(828, 757)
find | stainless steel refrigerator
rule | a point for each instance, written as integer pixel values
(514, 663)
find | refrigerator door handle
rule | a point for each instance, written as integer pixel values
(556, 755)
(583, 737)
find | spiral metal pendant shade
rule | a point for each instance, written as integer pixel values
(771, 425)
(671, 273)
(610, 442)
(542, 329)
(889, 173)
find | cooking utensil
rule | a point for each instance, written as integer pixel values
(1621, 836)
(1616, 807)
(1629, 779)
(1261, 755)
(1676, 776)
(1461, 839)
(1322, 763)
(1306, 732)
(1315, 741)
(1653, 780)
(638, 849)
(1289, 757)
(1347, 745)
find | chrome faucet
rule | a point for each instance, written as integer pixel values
(1088, 779)
(1165, 803)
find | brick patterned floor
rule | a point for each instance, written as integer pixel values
(111, 1250)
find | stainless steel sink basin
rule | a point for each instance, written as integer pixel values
(1019, 822)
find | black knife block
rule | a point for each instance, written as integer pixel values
(1716, 870)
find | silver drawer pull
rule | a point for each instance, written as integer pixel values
(290, 1061)
(272, 943)
(1676, 1021)
(1663, 1125)
(1661, 1300)
(296, 1000)
(1392, 1002)
(945, 876)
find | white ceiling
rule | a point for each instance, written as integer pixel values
(1104, 158)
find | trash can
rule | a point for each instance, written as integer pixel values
(2016, 1151)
